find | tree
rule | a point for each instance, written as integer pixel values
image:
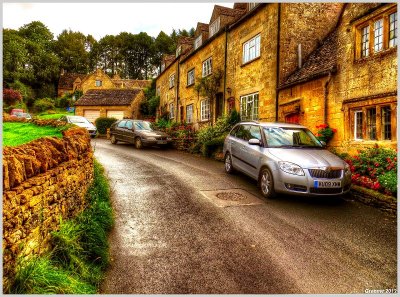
(163, 44)
(11, 97)
(71, 47)
(15, 56)
(208, 86)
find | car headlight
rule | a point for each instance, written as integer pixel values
(151, 138)
(291, 168)
(347, 169)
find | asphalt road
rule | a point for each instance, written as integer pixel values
(170, 238)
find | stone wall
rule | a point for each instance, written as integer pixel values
(44, 181)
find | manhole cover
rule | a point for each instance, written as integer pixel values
(231, 196)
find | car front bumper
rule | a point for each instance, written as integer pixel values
(151, 142)
(307, 185)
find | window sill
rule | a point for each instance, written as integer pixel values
(171, 87)
(375, 56)
(206, 75)
(251, 61)
(191, 85)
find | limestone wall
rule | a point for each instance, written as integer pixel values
(44, 181)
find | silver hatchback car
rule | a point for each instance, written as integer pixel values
(285, 158)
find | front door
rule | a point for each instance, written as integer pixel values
(181, 114)
(219, 104)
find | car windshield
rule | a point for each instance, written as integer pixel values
(143, 126)
(290, 137)
(78, 120)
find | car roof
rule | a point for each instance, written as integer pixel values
(272, 124)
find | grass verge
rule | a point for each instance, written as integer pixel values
(15, 133)
(80, 256)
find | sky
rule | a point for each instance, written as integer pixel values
(100, 19)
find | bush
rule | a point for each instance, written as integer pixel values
(44, 104)
(11, 97)
(213, 146)
(389, 181)
(103, 123)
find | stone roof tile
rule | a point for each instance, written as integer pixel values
(108, 97)
(66, 80)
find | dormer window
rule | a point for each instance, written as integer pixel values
(162, 67)
(172, 81)
(178, 50)
(99, 83)
(198, 41)
(214, 27)
(251, 5)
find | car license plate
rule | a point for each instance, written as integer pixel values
(327, 184)
(161, 142)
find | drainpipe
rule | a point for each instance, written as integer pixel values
(277, 63)
(226, 57)
(177, 92)
(326, 93)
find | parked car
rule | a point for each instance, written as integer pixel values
(16, 111)
(139, 133)
(81, 122)
(285, 158)
(22, 115)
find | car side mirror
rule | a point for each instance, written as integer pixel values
(254, 141)
(323, 143)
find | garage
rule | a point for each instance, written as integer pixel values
(118, 114)
(91, 114)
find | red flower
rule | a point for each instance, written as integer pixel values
(334, 130)
(377, 164)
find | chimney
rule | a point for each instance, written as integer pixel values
(299, 55)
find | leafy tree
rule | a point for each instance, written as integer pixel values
(163, 44)
(11, 97)
(15, 56)
(71, 47)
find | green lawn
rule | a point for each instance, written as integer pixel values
(18, 133)
(54, 116)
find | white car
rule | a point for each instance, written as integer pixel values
(81, 122)
(285, 158)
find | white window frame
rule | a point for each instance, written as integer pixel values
(158, 91)
(365, 41)
(214, 27)
(244, 105)
(251, 5)
(171, 111)
(356, 113)
(172, 81)
(251, 49)
(205, 110)
(190, 77)
(198, 41)
(207, 67)
(393, 28)
(98, 83)
(189, 115)
(378, 35)
(178, 51)
(162, 67)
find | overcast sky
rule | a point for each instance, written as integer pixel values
(100, 19)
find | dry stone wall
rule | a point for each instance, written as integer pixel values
(44, 181)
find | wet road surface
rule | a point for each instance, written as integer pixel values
(170, 238)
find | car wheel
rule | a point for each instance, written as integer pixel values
(138, 143)
(228, 163)
(113, 139)
(267, 183)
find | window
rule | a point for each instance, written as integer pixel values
(99, 83)
(198, 41)
(189, 113)
(207, 67)
(190, 77)
(249, 107)
(214, 27)
(393, 29)
(158, 91)
(205, 110)
(371, 123)
(358, 124)
(378, 35)
(129, 125)
(365, 42)
(162, 67)
(251, 49)
(171, 111)
(386, 123)
(251, 5)
(374, 123)
(172, 81)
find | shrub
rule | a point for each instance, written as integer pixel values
(389, 181)
(325, 133)
(11, 97)
(44, 104)
(213, 146)
(103, 123)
